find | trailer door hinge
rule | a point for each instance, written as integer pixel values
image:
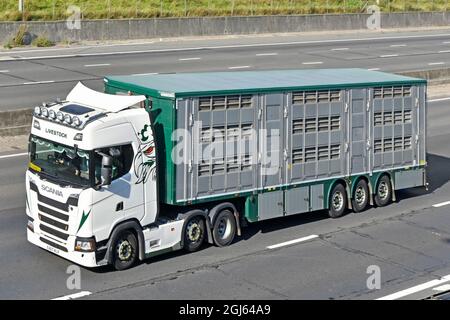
(285, 154)
(190, 166)
(346, 147)
(259, 114)
(285, 111)
(368, 105)
(191, 120)
(417, 102)
(368, 145)
(346, 107)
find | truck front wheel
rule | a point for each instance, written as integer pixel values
(194, 233)
(224, 228)
(125, 251)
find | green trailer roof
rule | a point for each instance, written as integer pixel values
(210, 83)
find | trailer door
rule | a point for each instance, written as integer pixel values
(358, 125)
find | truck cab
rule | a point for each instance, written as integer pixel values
(92, 166)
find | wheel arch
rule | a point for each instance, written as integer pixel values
(136, 228)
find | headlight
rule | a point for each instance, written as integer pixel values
(44, 112)
(67, 119)
(76, 121)
(85, 244)
(37, 111)
(52, 114)
(30, 224)
(60, 116)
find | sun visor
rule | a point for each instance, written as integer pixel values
(106, 102)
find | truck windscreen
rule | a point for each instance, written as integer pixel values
(60, 162)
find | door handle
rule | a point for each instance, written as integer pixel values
(119, 206)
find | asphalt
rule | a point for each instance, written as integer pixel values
(29, 77)
(409, 240)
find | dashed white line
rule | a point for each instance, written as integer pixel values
(144, 74)
(74, 296)
(340, 49)
(38, 82)
(312, 63)
(418, 288)
(436, 63)
(389, 55)
(4, 71)
(442, 204)
(97, 65)
(189, 59)
(13, 155)
(445, 287)
(446, 42)
(397, 45)
(438, 100)
(288, 243)
(266, 54)
(444, 51)
(239, 67)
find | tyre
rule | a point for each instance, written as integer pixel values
(383, 194)
(224, 228)
(194, 233)
(125, 251)
(338, 201)
(361, 197)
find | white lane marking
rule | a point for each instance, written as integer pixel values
(144, 74)
(189, 59)
(74, 296)
(13, 155)
(38, 82)
(340, 49)
(397, 45)
(440, 99)
(415, 289)
(446, 42)
(312, 62)
(444, 51)
(436, 63)
(288, 243)
(389, 55)
(4, 71)
(8, 58)
(445, 287)
(239, 67)
(374, 69)
(97, 65)
(266, 54)
(442, 204)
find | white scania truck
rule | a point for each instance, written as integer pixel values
(164, 162)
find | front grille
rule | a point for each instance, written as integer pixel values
(54, 223)
(55, 245)
(53, 232)
(53, 213)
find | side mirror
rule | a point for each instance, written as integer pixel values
(106, 170)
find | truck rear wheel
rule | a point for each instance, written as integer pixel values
(224, 228)
(338, 201)
(125, 251)
(361, 197)
(194, 233)
(383, 193)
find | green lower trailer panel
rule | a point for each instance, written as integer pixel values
(314, 196)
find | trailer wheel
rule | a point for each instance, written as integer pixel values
(194, 233)
(338, 201)
(125, 251)
(361, 198)
(383, 193)
(224, 228)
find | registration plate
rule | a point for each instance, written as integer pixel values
(56, 251)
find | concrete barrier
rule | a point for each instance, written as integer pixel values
(16, 122)
(123, 29)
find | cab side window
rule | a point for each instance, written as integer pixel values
(122, 161)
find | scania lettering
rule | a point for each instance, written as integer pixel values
(157, 163)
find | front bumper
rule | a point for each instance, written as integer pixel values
(86, 259)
